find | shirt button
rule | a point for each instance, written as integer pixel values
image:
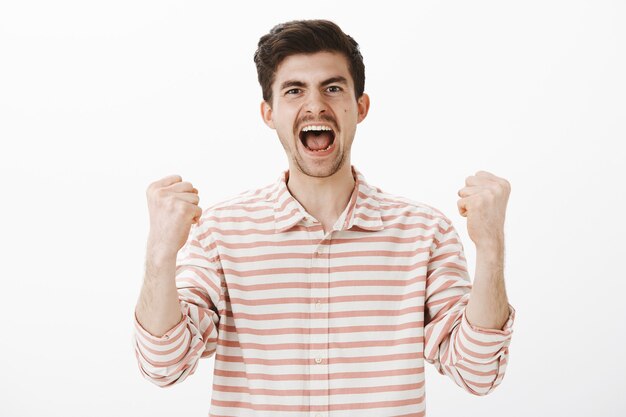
(318, 305)
(318, 360)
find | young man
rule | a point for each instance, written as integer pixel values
(321, 295)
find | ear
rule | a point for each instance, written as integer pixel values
(266, 114)
(363, 106)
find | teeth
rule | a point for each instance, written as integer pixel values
(308, 128)
(320, 150)
(318, 128)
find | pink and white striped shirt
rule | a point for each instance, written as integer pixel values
(304, 323)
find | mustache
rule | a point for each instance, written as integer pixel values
(322, 118)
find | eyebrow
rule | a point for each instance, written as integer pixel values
(332, 80)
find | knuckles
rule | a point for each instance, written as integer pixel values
(484, 177)
(506, 185)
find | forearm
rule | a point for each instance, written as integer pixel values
(467, 340)
(488, 306)
(158, 307)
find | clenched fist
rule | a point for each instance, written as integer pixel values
(483, 202)
(173, 207)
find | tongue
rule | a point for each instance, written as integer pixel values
(317, 141)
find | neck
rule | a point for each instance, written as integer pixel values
(324, 198)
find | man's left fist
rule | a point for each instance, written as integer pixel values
(483, 201)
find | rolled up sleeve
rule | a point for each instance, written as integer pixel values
(169, 359)
(474, 358)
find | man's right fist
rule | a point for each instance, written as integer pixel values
(173, 207)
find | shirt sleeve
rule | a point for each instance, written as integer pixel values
(473, 357)
(172, 357)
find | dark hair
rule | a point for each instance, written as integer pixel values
(305, 36)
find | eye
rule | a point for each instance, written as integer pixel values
(293, 89)
(337, 88)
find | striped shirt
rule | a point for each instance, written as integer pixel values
(307, 323)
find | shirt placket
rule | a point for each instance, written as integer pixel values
(318, 354)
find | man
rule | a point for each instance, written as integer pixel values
(321, 295)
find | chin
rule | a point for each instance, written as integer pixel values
(323, 170)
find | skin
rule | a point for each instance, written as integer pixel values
(322, 185)
(483, 202)
(173, 207)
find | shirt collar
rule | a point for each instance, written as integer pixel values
(362, 211)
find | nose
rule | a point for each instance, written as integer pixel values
(315, 103)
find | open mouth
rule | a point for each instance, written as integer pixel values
(317, 138)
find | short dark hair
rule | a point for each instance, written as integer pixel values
(305, 36)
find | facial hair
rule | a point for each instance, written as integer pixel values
(336, 164)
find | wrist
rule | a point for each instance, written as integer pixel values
(492, 252)
(494, 244)
(159, 255)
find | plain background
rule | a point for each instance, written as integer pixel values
(100, 98)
